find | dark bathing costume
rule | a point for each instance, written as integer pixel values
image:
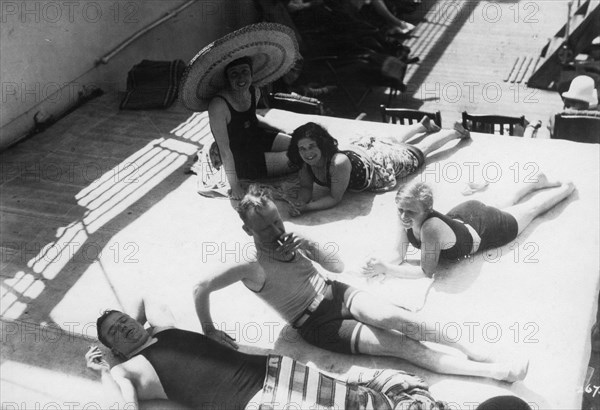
(248, 142)
(202, 374)
(198, 372)
(495, 228)
(291, 286)
(358, 173)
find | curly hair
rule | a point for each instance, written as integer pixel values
(255, 199)
(418, 191)
(326, 143)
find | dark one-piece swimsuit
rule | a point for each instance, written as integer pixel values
(495, 228)
(248, 142)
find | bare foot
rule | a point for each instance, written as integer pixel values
(429, 125)
(569, 187)
(563, 189)
(407, 27)
(517, 370)
(404, 28)
(543, 182)
(463, 133)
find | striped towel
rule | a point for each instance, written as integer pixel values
(213, 183)
(292, 385)
(152, 84)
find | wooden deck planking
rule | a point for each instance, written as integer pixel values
(465, 57)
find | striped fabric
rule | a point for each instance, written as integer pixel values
(319, 283)
(406, 391)
(387, 161)
(292, 385)
(152, 84)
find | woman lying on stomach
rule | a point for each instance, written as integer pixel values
(467, 228)
(369, 164)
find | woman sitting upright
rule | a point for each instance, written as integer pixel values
(248, 149)
(225, 77)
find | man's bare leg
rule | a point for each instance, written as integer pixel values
(372, 311)
(379, 342)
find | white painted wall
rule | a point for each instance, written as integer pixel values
(49, 49)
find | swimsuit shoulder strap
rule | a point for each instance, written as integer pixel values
(314, 177)
(231, 109)
(252, 98)
(411, 235)
(327, 171)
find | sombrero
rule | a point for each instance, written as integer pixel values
(272, 47)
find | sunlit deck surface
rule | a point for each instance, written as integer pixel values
(97, 209)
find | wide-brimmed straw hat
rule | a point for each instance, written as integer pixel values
(582, 88)
(272, 47)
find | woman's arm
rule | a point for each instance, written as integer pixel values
(430, 253)
(305, 193)
(404, 271)
(431, 245)
(306, 185)
(218, 114)
(397, 267)
(402, 243)
(375, 267)
(339, 171)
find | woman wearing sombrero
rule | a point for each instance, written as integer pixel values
(224, 78)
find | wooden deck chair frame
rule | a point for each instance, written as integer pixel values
(407, 116)
(487, 123)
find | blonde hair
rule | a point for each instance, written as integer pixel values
(257, 198)
(418, 191)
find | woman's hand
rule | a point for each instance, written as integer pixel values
(95, 360)
(236, 193)
(373, 267)
(296, 208)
